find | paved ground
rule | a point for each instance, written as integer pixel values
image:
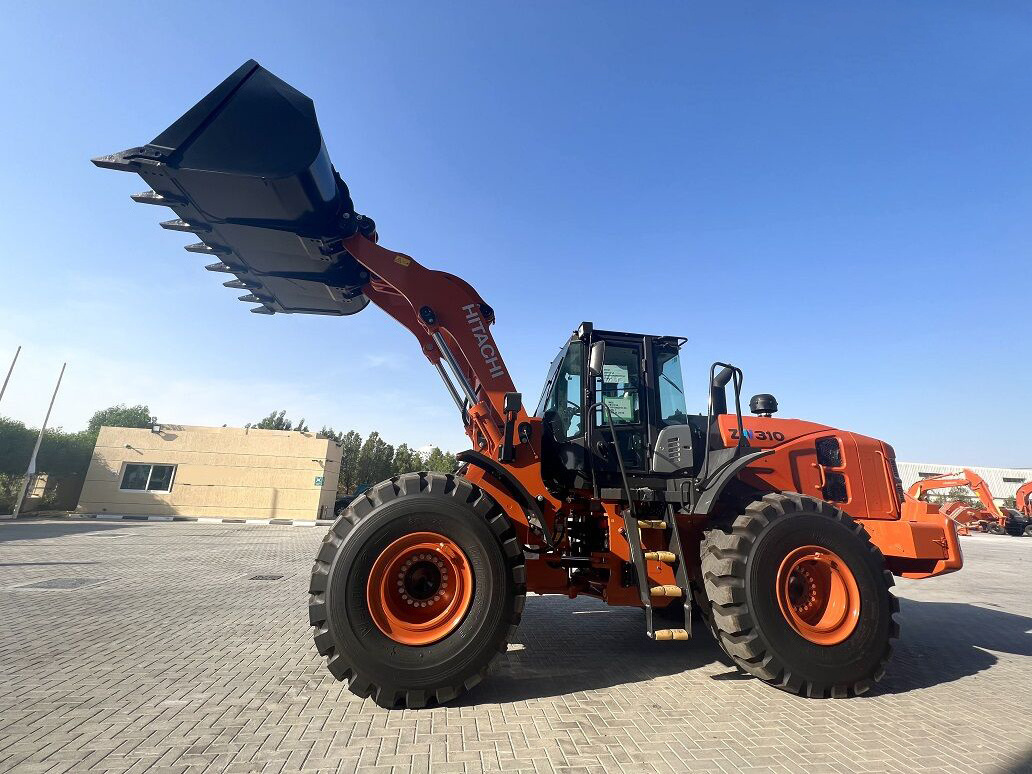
(174, 660)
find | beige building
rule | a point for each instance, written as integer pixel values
(223, 472)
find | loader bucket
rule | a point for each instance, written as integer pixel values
(247, 172)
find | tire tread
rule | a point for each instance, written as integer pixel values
(724, 556)
(441, 484)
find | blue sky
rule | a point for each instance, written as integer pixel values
(834, 196)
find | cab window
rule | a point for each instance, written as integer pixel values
(672, 409)
(617, 388)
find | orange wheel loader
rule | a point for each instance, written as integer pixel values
(785, 533)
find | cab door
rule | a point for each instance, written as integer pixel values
(620, 395)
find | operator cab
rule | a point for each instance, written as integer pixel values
(638, 394)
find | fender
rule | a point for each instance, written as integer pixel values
(512, 485)
(712, 492)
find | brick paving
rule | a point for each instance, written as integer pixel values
(156, 652)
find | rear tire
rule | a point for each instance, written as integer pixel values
(351, 610)
(746, 583)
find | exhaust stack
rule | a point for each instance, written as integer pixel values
(246, 171)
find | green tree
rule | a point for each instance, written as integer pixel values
(405, 460)
(350, 450)
(277, 420)
(119, 416)
(10, 485)
(350, 444)
(374, 460)
(958, 494)
(60, 453)
(16, 442)
(442, 462)
(329, 434)
(65, 456)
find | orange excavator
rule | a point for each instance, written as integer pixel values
(990, 518)
(785, 532)
(1021, 514)
(1023, 499)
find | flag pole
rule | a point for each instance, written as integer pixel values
(35, 450)
(9, 370)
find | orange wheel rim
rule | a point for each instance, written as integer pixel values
(419, 588)
(818, 595)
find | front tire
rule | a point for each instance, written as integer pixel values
(799, 597)
(416, 588)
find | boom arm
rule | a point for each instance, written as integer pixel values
(451, 322)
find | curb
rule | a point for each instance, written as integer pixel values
(197, 519)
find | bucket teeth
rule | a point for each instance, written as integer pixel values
(178, 224)
(651, 524)
(667, 557)
(262, 310)
(239, 284)
(119, 161)
(225, 268)
(666, 591)
(206, 249)
(151, 197)
(670, 634)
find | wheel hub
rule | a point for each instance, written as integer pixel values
(419, 588)
(818, 595)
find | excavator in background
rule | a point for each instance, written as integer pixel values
(990, 518)
(785, 532)
(1023, 499)
(1021, 513)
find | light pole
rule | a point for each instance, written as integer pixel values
(35, 450)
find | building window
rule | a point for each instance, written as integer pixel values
(148, 478)
(1013, 480)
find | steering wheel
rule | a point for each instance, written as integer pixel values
(568, 412)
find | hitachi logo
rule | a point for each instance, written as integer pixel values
(487, 348)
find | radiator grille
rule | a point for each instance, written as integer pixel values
(896, 479)
(835, 488)
(829, 452)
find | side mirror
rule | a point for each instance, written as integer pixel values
(596, 358)
(512, 402)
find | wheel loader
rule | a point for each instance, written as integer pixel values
(781, 535)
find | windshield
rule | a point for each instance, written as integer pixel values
(560, 404)
(549, 380)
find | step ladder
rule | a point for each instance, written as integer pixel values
(672, 555)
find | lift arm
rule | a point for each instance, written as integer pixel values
(452, 324)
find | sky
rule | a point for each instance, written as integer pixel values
(833, 196)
